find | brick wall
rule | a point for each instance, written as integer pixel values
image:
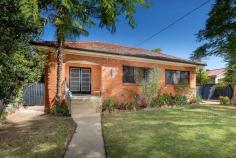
(102, 81)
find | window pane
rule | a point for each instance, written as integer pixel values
(169, 77)
(138, 74)
(134, 74)
(177, 77)
(146, 73)
(184, 77)
(128, 74)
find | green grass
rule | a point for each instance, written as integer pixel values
(184, 132)
(44, 136)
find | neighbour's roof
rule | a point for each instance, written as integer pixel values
(215, 72)
(115, 49)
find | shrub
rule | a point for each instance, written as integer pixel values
(151, 86)
(62, 110)
(121, 106)
(196, 100)
(2, 115)
(154, 102)
(181, 100)
(221, 86)
(224, 100)
(131, 106)
(158, 101)
(169, 99)
(109, 104)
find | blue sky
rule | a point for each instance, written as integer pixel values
(179, 40)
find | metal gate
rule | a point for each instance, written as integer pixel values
(209, 91)
(34, 94)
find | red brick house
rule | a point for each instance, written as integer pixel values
(104, 69)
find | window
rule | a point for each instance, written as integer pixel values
(177, 77)
(134, 74)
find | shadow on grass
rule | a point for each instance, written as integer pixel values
(199, 131)
(43, 136)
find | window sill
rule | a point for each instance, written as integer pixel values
(131, 84)
(177, 84)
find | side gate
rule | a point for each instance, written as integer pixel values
(34, 94)
(209, 91)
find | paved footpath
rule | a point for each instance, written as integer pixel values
(87, 142)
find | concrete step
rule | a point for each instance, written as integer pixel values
(85, 105)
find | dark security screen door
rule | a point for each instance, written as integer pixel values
(80, 80)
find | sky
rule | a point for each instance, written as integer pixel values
(179, 40)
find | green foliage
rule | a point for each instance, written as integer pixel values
(16, 69)
(181, 100)
(224, 100)
(61, 110)
(2, 115)
(220, 36)
(72, 18)
(169, 100)
(158, 101)
(29, 10)
(221, 86)
(131, 106)
(202, 76)
(157, 50)
(19, 62)
(151, 87)
(230, 75)
(109, 104)
(195, 100)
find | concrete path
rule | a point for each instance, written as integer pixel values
(87, 142)
(212, 102)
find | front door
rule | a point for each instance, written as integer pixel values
(80, 80)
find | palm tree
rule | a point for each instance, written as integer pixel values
(72, 17)
(69, 21)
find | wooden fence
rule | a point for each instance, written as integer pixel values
(34, 94)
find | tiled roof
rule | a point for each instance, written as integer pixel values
(101, 47)
(215, 72)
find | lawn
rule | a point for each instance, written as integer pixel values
(44, 136)
(184, 132)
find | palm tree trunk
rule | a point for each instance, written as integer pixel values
(59, 72)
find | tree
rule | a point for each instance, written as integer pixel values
(19, 62)
(157, 50)
(219, 36)
(202, 76)
(72, 17)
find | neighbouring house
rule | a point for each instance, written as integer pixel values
(216, 75)
(103, 69)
